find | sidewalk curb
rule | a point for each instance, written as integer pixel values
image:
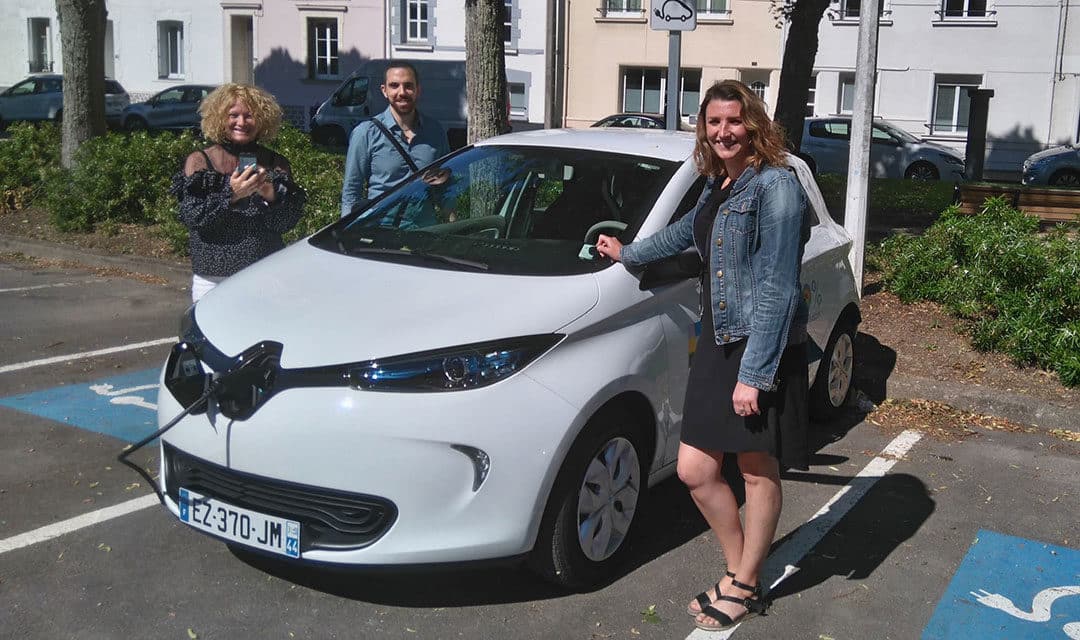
(978, 399)
(174, 272)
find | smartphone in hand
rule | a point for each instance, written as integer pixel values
(246, 160)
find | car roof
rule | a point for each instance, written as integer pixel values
(675, 146)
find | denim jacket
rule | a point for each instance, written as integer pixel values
(755, 264)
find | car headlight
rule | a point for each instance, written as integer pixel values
(454, 369)
(953, 160)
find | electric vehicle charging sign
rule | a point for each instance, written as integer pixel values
(672, 15)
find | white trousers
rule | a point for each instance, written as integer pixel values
(201, 284)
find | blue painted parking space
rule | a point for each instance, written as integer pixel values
(1010, 587)
(123, 407)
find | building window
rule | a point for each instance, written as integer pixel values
(519, 103)
(39, 32)
(622, 8)
(759, 88)
(170, 49)
(847, 93)
(850, 8)
(964, 9)
(644, 91)
(508, 22)
(811, 95)
(709, 8)
(322, 34)
(951, 103)
(416, 21)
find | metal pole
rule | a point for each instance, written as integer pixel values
(862, 119)
(673, 108)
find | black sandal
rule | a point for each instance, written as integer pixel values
(703, 599)
(755, 605)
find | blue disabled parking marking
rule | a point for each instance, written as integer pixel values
(1010, 587)
(123, 407)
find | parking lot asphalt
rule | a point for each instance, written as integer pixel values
(886, 537)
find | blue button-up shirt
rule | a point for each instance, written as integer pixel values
(372, 158)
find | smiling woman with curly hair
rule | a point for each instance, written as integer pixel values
(236, 197)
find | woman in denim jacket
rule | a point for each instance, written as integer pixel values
(747, 390)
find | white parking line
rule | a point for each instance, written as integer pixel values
(40, 286)
(85, 354)
(781, 564)
(51, 531)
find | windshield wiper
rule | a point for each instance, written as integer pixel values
(427, 255)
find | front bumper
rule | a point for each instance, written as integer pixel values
(412, 455)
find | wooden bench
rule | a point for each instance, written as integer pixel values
(1050, 205)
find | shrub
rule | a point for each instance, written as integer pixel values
(25, 162)
(1017, 290)
(319, 172)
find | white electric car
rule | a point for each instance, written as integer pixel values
(453, 374)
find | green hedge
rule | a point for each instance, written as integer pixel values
(1018, 290)
(125, 178)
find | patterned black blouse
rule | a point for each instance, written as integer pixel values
(226, 237)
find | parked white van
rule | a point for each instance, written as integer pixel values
(442, 96)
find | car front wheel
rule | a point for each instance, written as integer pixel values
(922, 171)
(592, 506)
(135, 124)
(1065, 178)
(832, 384)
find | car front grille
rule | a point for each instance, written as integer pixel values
(329, 519)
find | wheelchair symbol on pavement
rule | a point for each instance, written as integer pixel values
(1040, 606)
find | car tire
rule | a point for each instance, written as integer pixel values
(135, 123)
(922, 170)
(603, 476)
(1065, 178)
(832, 383)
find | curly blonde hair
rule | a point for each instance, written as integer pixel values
(768, 144)
(215, 111)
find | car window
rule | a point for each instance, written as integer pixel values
(171, 96)
(517, 210)
(354, 94)
(877, 134)
(689, 199)
(51, 85)
(817, 129)
(838, 129)
(21, 89)
(113, 87)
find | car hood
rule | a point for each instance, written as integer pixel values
(327, 308)
(1051, 152)
(940, 148)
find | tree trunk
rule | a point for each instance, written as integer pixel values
(799, 54)
(485, 68)
(82, 43)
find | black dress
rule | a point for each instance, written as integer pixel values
(709, 418)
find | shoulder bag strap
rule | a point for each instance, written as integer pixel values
(397, 145)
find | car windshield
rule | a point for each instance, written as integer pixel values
(896, 131)
(112, 86)
(504, 209)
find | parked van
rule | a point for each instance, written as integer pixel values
(442, 96)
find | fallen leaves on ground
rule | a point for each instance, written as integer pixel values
(938, 420)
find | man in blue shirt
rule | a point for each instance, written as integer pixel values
(373, 159)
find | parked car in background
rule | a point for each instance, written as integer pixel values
(41, 97)
(1057, 167)
(514, 404)
(174, 108)
(638, 121)
(894, 153)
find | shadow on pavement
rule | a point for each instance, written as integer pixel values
(890, 513)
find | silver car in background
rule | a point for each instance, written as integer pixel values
(1057, 167)
(174, 108)
(41, 97)
(894, 153)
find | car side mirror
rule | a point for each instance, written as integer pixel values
(678, 268)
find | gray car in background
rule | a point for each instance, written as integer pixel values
(41, 98)
(174, 108)
(1057, 167)
(894, 153)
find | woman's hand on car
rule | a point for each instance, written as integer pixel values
(609, 247)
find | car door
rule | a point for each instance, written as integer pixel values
(168, 109)
(351, 102)
(887, 157)
(17, 101)
(834, 145)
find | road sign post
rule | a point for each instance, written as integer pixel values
(673, 16)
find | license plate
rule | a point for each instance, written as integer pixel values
(251, 528)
